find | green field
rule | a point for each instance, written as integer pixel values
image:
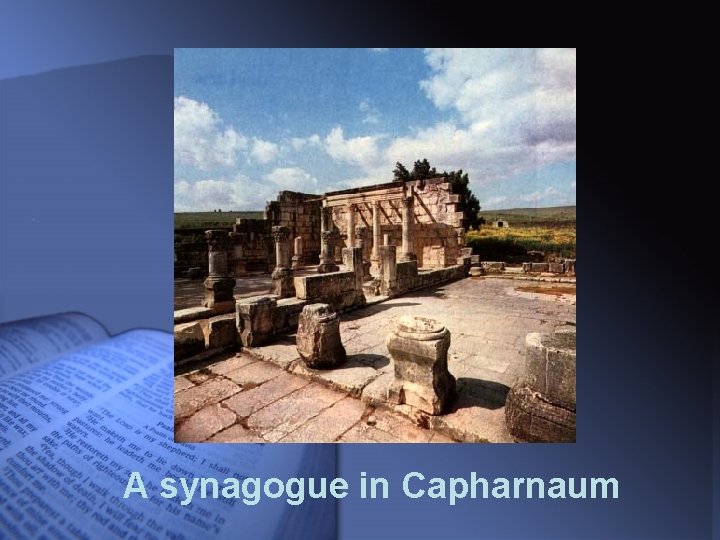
(559, 215)
(208, 220)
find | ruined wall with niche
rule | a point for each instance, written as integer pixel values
(437, 221)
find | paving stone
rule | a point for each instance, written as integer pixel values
(204, 423)
(400, 427)
(282, 353)
(488, 326)
(181, 383)
(193, 399)
(350, 378)
(362, 433)
(282, 417)
(247, 402)
(254, 374)
(330, 423)
(231, 364)
(236, 434)
(375, 393)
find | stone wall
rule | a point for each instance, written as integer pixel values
(253, 244)
(252, 239)
(299, 212)
(437, 222)
(190, 250)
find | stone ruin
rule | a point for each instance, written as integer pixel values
(318, 337)
(421, 217)
(419, 347)
(541, 407)
(329, 254)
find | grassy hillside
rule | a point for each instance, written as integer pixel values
(559, 215)
(199, 220)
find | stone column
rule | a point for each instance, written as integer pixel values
(297, 258)
(218, 285)
(351, 225)
(360, 236)
(388, 271)
(282, 276)
(407, 250)
(352, 259)
(386, 239)
(418, 347)
(318, 337)
(327, 243)
(377, 235)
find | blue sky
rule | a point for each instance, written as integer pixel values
(252, 122)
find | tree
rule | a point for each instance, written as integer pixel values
(469, 203)
(400, 173)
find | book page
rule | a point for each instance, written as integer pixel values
(72, 432)
(33, 341)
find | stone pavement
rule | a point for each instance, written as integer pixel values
(267, 393)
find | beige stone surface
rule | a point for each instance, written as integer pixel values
(247, 402)
(204, 423)
(193, 399)
(253, 374)
(284, 416)
(488, 325)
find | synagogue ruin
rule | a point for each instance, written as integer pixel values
(329, 264)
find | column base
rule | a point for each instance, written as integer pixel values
(408, 257)
(325, 268)
(283, 283)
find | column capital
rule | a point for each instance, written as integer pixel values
(280, 233)
(217, 239)
(328, 236)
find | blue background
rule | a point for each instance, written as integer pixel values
(86, 172)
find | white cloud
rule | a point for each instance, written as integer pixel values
(515, 111)
(361, 151)
(298, 143)
(264, 151)
(512, 111)
(201, 139)
(234, 193)
(372, 115)
(380, 50)
(293, 179)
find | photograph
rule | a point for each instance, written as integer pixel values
(374, 245)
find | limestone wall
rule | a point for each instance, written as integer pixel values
(299, 212)
(437, 221)
(253, 244)
(190, 250)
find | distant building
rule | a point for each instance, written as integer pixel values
(500, 224)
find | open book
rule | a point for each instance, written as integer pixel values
(81, 411)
